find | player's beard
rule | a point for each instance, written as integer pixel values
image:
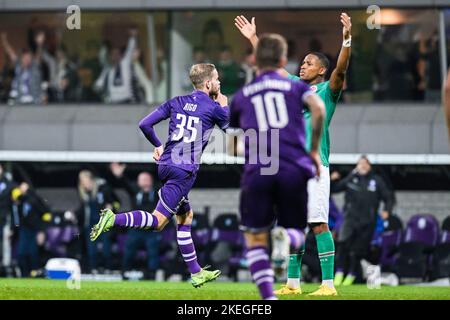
(214, 93)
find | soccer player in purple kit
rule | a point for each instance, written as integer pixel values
(192, 118)
(271, 106)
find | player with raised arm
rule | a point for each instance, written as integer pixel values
(192, 118)
(269, 108)
(313, 70)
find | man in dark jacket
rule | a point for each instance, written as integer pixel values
(144, 197)
(364, 191)
(33, 214)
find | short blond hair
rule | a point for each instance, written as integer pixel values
(201, 72)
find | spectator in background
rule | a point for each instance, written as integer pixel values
(248, 66)
(213, 40)
(161, 82)
(34, 214)
(142, 86)
(430, 68)
(364, 191)
(143, 197)
(230, 73)
(95, 195)
(26, 85)
(90, 70)
(64, 78)
(115, 81)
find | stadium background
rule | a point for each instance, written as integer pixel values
(381, 114)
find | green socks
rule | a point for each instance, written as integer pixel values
(325, 247)
(295, 264)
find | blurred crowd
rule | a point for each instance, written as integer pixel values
(45, 73)
(31, 232)
(389, 67)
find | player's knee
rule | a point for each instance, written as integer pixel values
(185, 218)
(162, 221)
(256, 239)
(319, 227)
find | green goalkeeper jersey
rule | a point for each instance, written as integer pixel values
(330, 99)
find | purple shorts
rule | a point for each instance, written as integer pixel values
(269, 199)
(173, 196)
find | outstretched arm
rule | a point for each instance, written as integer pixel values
(247, 29)
(8, 49)
(338, 75)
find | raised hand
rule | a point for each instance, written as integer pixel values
(347, 25)
(245, 27)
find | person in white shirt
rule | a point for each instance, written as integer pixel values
(116, 79)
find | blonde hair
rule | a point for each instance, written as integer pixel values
(201, 72)
(82, 192)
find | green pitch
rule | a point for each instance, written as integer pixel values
(54, 289)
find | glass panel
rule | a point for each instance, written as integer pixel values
(82, 65)
(396, 62)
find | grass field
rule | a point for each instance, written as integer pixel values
(147, 290)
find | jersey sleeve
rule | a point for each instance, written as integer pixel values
(222, 116)
(146, 125)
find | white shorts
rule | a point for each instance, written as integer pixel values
(319, 197)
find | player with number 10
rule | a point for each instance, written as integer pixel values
(272, 105)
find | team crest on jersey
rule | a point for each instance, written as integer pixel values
(313, 88)
(372, 186)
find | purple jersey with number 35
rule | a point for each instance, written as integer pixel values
(191, 120)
